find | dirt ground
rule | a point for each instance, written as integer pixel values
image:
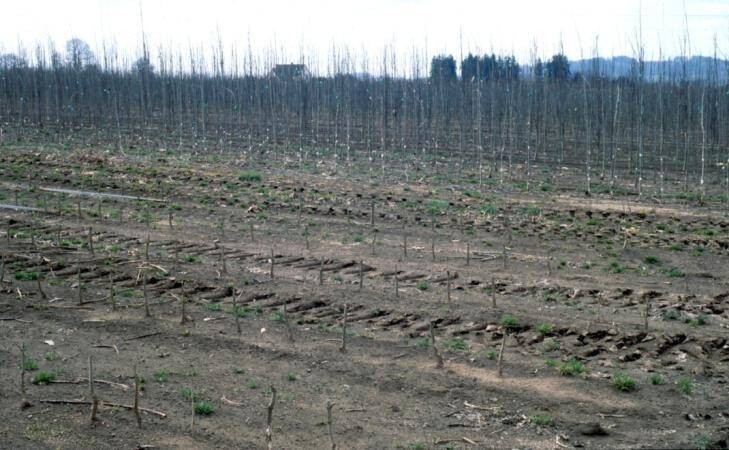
(612, 312)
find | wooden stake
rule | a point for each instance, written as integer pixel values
(78, 208)
(343, 348)
(404, 247)
(24, 403)
(448, 284)
(501, 353)
(146, 248)
(112, 293)
(493, 292)
(40, 288)
(192, 413)
(361, 274)
(321, 273)
(647, 314)
(436, 354)
(135, 406)
(374, 240)
(251, 228)
(330, 405)
(146, 299)
(269, 419)
(432, 241)
(169, 219)
(235, 312)
(397, 284)
(223, 265)
(273, 263)
(468, 253)
(94, 399)
(91, 240)
(372, 214)
(301, 206)
(289, 330)
(504, 256)
(78, 280)
(306, 236)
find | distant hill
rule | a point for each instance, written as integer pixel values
(696, 67)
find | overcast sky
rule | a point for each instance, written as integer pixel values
(504, 26)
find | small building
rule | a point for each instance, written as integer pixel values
(290, 71)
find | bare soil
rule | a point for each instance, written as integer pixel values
(573, 278)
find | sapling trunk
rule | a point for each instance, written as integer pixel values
(112, 293)
(146, 298)
(269, 419)
(448, 285)
(343, 348)
(24, 403)
(41, 292)
(361, 275)
(436, 354)
(235, 313)
(223, 265)
(404, 247)
(78, 281)
(397, 284)
(646, 314)
(273, 263)
(372, 214)
(91, 240)
(289, 330)
(501, 353)
(92, 394)
(330, 405)
(432, 241)
(135, 406)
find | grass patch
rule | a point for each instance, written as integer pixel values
(551, 345)
(189, 395)
(571, 368)
(456, 345)
(204, 408)
(544, 328)
(652, 260)
(250, 176)
(543, 420)
(30, 365)
(623, 382)
(685, 386)
(657, 380)
(161, 376)
(422, 285)
(44, 378)
(23, 275)
(508, 321)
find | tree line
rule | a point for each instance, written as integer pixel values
(497, 120)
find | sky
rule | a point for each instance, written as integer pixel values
(288, 28)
